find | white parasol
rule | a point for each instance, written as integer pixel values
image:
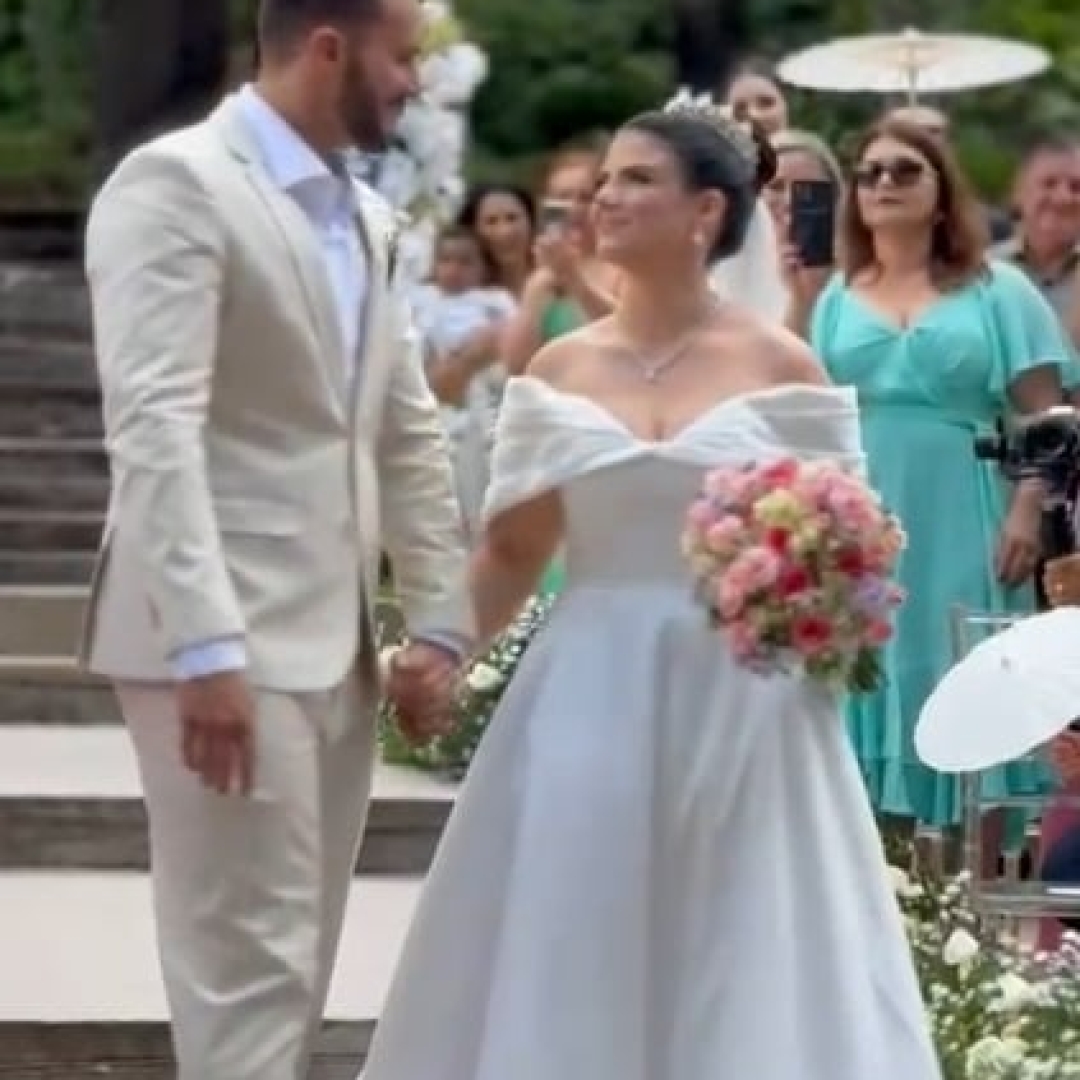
(1012, 693)
(913, 63)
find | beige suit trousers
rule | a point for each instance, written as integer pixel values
(250, 893)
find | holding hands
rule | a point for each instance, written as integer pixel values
(421, 682)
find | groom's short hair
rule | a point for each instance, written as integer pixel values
(282, 23)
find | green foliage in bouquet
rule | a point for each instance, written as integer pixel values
(996, 1013)
(481, 691)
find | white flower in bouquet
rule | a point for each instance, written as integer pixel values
(961, 948)
(1015, 992)
(484, 678)
(995, 1058)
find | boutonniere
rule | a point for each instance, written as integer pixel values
(398, 225)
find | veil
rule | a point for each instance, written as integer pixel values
(752, 277)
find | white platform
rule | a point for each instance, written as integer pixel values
(98, 763)
(80, 947)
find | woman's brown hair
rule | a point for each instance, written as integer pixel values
(959, 238)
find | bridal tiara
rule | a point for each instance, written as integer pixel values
(702, 108)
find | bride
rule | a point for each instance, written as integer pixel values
(661, 867)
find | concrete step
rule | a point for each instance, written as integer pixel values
(48, 413)
(45, 457)
(70, 798)
(47, 362)
(52, 692)
(81, 993)
(142, 1051)
(45, 567)
(60, 529)
(38, 620)
(53, 490)
(44, 299)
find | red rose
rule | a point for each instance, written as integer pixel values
(793, 580)
(811, 634)
(778, 540)
(850, 561)
(780, 474)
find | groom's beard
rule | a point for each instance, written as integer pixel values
(363, 116)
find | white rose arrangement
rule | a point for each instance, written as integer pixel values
(421, 174)
(997, 1013)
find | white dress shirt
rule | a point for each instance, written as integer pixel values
(328, 202)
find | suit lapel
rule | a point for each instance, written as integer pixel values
(295, 231)
(374, 230)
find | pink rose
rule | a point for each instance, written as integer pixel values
(721, 535)
(729, 595)
(743, 639)
(758, 567)
(700, 515)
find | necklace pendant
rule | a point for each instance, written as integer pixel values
(651, 374)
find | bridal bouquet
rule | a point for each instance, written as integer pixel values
(794, 562)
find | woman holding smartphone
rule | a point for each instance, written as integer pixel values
(568, 287)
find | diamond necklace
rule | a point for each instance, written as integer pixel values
(652, 370)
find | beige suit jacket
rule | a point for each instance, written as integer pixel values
(254, 483)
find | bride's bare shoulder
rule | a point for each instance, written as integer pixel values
(784, 355)
(559, 362)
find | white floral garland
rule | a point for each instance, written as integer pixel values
(421, 175)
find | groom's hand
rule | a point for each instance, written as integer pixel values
(422, 682)
(217, 718)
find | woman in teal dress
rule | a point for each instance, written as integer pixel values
(939, 344)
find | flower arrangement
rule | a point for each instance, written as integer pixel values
(996, 1013)
(481, 690)
(421, 173)
(793, 561)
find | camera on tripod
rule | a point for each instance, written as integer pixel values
(1043, 447)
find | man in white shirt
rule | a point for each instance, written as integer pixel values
(270, 430)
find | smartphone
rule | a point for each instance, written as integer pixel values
(813, 221)
(554, 214)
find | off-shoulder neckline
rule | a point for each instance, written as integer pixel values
(747, 400)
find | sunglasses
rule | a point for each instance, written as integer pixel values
(902, 172)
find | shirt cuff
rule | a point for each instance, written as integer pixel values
(455, 644)
(209, 658)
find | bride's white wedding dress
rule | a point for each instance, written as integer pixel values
(661, 867)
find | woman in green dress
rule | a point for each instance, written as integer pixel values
(568, 287)
(939, 343)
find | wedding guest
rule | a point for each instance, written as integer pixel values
(503, 218)
(1046, 241)
(936, 122)
(755, 93)
(800, 155)
(568, 286)
(461, 318)
(939, 341)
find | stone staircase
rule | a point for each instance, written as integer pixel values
(80, 992)
(54, 476)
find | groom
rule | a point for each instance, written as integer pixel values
(269, 430)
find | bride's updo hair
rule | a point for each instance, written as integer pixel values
(715, 153)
